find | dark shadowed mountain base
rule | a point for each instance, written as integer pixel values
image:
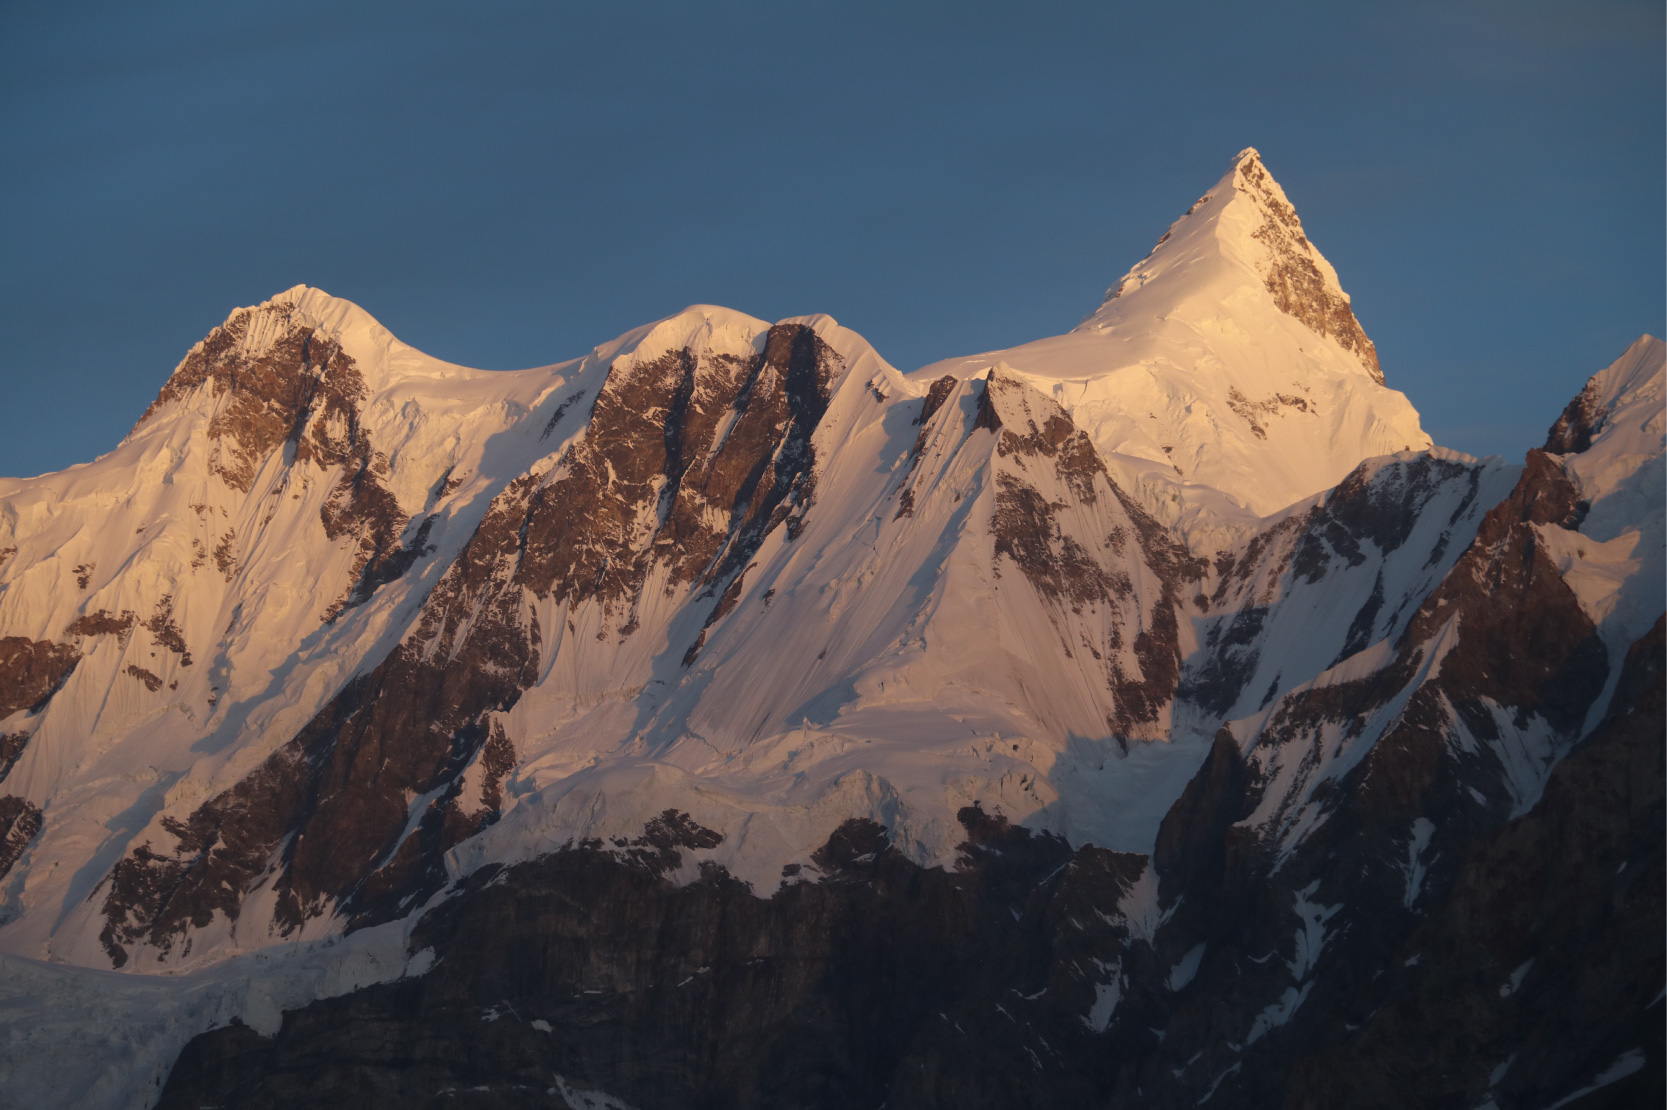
(589, 974)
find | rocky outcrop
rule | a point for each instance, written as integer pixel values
(277, 383)
(587, 970)
(1076, 572)
(653, 482)
(31, 671)
(1347, 552)
(1525, 640)
(20, 820)
(354, 814)
(11, 750)
(102, 622)
(1543, 967)
(265, 369)
(1297, 285)
(1254, 412)
(1317, 859)
(1580, 421)
(936, 394)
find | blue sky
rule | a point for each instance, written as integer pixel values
(509, 184)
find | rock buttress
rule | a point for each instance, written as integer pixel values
(327, 818)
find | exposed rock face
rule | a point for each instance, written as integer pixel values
(20, 820)
(1374, 547)
(11, 748)
(1298, 287)
(267, 372)
(1080, 572)
(1503, 594)
(1372, 817)
(276, 383)
(1254, 412)
(590, 971)
(1573, 431)
(649, 470)
(328, 819)
(936, 395)
(31, 671)
(102, 622)
(1543, 963)
(1526, 641)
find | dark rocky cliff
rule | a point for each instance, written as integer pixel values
(878, 983)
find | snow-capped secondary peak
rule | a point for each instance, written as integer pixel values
(1613, 436)
(1631, 385)
(304, 314)
(704, 329)
(1225, 376)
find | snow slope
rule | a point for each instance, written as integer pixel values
(214, 642)
(1227, 362)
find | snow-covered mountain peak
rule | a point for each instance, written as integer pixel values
(1225, 375)
(1242, 234)
(1612, 435)
(380, 359)
(1625, 396)
(702, 329)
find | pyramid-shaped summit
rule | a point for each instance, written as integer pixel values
(1225, 375)
(1247, 224)
(1301, 281)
